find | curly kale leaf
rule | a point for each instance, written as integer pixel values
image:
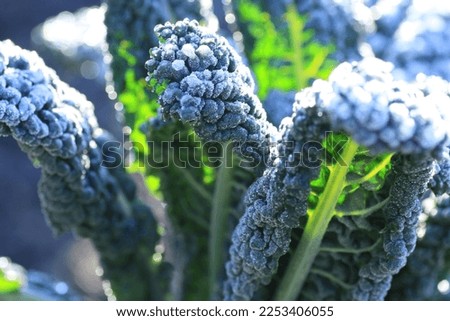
(80, 189)
(440, 183)
(208, 86)
(387, 115)
(410, 177)
(156, 149)
(177, 170)
(429, 264)
(389, 16)
(133, 21)
(370, 204)
(274, 205)
(424, 22)
(172, 158)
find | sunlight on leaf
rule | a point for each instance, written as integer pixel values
(283, 57)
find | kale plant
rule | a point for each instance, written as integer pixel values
(299, 155)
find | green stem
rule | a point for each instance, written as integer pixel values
(365, 211)
(350, 251)
(199, 188)
(295, 26)
(191, 213)
(301, 261)
(317, 62)
(332, 278)
(372, 173)
(219, 215)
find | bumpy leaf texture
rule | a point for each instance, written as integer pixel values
(425, 117)
(420, 44)
(360, 253)
(440, 183)
(386, 115)
(83, 187)
(401, 214)
(174, 162)
(207, 85)
(133, 21)
(430, 262)
(382, 115)
(275, 203)
(413, 119)
(388, 15)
